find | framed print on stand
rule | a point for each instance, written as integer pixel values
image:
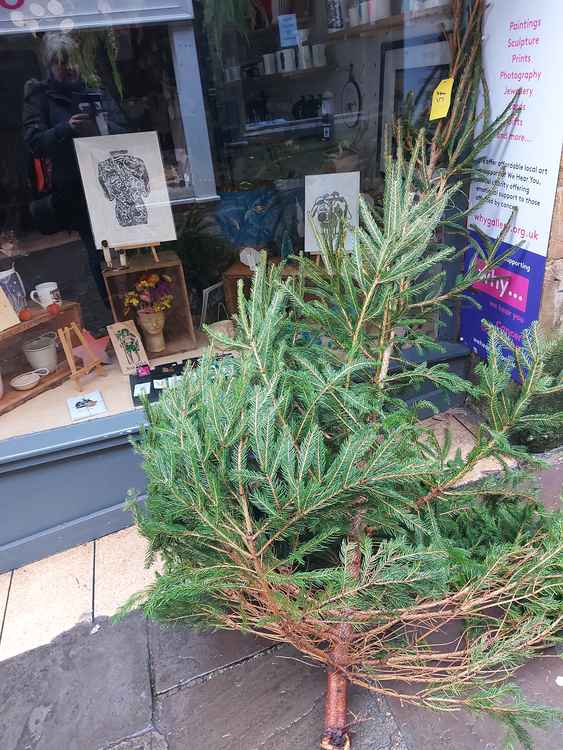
(125, 188)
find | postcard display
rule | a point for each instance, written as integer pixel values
(150, 383)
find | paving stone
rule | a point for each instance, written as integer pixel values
(179, 654)
(152, 740)
(46, 598)
(125, 551)
(88, 687)
(271, 702)
(465, 731)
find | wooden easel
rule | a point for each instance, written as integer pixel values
(122, 250)
(65, 337)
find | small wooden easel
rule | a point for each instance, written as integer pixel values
(65, 337)
(122, 250)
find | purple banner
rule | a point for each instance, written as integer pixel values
(509, 297)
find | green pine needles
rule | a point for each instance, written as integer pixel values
(292, 493)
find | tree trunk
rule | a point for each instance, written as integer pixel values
(336, 735)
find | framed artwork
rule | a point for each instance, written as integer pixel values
(125, 188)
(128, 346)
(331, 197)
(86, 405)
(8, 317)
(410, 71)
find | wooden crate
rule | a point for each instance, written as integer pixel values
(179, 331)
(13, 361)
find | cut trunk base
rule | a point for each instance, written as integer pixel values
(336, 735)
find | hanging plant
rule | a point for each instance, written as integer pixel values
(219, 15)
(85, 55)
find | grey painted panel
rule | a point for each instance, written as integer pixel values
(89, 435)
(62, 537)
(66, 486)
(49, 494)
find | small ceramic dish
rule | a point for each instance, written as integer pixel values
(28, 380)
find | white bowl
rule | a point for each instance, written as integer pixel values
(28, 380)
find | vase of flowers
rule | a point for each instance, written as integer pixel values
(151, 298)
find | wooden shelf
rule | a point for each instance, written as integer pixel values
(18, 364)
(13, 398)
(35, 242)
(70, 310)
(440, 12)
(299, 73)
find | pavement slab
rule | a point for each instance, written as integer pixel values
(180, 655)
(125, 551)
(466, 731)
(273, 701)
(151, 740)
(88, 687)
(46, 598)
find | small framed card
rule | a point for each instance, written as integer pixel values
(8, 317)
(142, 389)
(128, 346)
(86, 405)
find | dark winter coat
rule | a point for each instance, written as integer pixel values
(47, 109)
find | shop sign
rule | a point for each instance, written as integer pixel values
(522, 53)
(24, 16)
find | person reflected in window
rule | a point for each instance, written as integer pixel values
(51, 122)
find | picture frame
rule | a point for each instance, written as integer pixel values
(86, 405)
(125, 187)
(128, 346)
(8, 317)
(327, 196)
(415, 64)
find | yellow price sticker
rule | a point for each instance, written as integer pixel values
(441, 99)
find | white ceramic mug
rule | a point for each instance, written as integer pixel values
(45, 294)
(379, 9)
(269, 63)
(41, 353)
(305, 58)
(286, 60)
(319, 55)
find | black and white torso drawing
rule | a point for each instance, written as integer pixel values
(125, 179)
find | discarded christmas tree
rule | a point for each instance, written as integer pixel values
(293, 494)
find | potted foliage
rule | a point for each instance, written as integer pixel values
(151, 298)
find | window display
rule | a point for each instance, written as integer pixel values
(104, 260)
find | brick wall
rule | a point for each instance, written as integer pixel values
(551, 312)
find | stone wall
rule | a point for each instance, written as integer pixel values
(551, 312)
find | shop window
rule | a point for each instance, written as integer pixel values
(308, 87)
(123, 100)
(292, 88)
